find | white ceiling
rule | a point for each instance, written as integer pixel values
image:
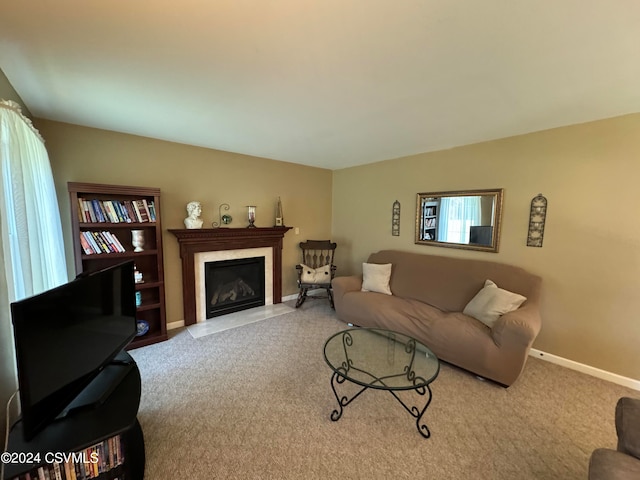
(330, 83)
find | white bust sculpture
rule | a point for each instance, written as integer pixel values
(193, 220)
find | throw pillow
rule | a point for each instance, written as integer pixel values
(375, 278)
(315, 275)
(491, 302)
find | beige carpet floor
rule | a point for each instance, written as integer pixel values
(254, 402)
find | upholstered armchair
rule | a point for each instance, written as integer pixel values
(624, 462)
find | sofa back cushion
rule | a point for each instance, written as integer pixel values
(450, 283)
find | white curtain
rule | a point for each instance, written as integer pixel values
(31, 232)
(455, 217)
(31, 250)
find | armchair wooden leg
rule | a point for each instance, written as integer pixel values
(330, 294)
(302, 296)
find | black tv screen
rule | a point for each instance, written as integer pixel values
(65, 336)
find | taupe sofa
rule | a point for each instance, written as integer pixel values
(429, 294)
(624, 462)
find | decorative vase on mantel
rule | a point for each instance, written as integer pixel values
(251, 213)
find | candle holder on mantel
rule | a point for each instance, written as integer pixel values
(251, 216)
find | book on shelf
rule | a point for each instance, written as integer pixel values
(118, 208)
(94, 248)
(82, 213)
(152, 210)
(111, 210)
(123, 213)
(84, 243)
(113, 240)
(131, 214)
(100, 242)
(91, 216)
(146, 209)
(97, 210)
(430, 211)
(143, 214)
(87, 463)
(115, 211)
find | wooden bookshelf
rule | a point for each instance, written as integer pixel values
(429, 219)
(103, 218)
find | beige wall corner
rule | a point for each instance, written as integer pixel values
(185, 173)
(7, 92)
(590, 258)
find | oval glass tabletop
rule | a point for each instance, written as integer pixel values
(382, 359)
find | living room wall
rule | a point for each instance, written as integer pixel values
(590, 259)
(185, 173)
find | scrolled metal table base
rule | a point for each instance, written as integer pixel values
(337, 378)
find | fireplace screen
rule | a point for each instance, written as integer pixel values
(234, 285)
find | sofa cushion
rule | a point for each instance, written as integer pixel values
(315, 275)
(453, 337)
(375, 278)
(491, 302)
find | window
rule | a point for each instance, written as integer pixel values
(457, 214)
(30, 228)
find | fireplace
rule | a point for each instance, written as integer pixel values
(234, 285)
(200, 246)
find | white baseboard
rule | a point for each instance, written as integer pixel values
(581, 367)
(315, 291)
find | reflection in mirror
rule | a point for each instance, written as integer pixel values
(468, 219)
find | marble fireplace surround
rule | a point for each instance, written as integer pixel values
(198, 246)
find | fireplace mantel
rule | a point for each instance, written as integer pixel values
(193, 241)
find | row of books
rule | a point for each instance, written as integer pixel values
(429, 222)
(429, 211)
(83, 465)
(116, 211)
(100, 242)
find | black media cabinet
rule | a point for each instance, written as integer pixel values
(114, 414)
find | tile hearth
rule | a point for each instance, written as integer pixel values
(237, 319)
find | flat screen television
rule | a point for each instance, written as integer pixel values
(65, 337)
(480, 235)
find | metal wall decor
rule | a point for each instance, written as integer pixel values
(222, 219)
(395, 219)
(537, 217)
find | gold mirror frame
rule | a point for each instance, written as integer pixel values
(429, 207)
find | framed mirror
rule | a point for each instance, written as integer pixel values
(466, 219)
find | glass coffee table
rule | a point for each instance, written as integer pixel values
(382, 360)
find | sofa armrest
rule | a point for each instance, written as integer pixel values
(520, 327)
(342, 285)
(628, 426)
